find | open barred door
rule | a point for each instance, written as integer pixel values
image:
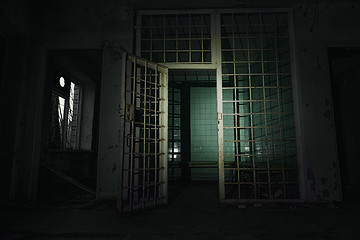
(144, 117)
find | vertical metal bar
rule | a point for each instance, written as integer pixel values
(216, 43)
(132, 138)
(156, 134)
(163, 108)
(235, 98)
(279, 112)
(147, 166)
(251, 114)
(144, 136)
(165, 132)
(265, 110)
(215, 39)
(173, 129)
(136, 159)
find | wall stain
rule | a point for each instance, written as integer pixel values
(327, 114)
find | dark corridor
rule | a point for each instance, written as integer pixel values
(345, 84)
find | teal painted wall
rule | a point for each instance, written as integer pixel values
(203, 127)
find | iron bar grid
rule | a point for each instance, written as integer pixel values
(144, 135)
(257, 107)
(176, 38)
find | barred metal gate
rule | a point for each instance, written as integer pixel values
(250, 51)
(144, 110)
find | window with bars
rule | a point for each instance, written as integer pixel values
(259, 130)
(176, 38)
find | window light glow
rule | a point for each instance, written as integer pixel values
(62, 82)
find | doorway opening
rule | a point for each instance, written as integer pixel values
(257, 155)
(345, 71)
(68, 166)
(192, 135)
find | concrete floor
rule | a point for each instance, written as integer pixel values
(192, 213)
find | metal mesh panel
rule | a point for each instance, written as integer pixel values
(144, 168)
(176, 38)
(259, 131)
(174, 133)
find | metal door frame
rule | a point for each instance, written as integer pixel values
(136, 190)
(216, 63)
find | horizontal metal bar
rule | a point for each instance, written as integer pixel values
(175, 12)
(149, 125)
(176, 51)
(267, 127)
(258, 183)
(148, 154)
(260, 155)
(262, 100)
(256, 74)
(139, 170)
(257, 113)
(209, 11)
(153, 140)
(149, 96)
(181, 65)
(255, 61)
(150, 82)
(144, 62)
(270, 87)
(257, 34)
(259, 169)
(174, 39)
(283, 140)
(254, 24)
(252, 201)
(149, 110)
(254, 10)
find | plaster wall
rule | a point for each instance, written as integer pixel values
(336, 26)
(87, 115)
(108, 25)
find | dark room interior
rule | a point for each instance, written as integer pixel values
(179, 119)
